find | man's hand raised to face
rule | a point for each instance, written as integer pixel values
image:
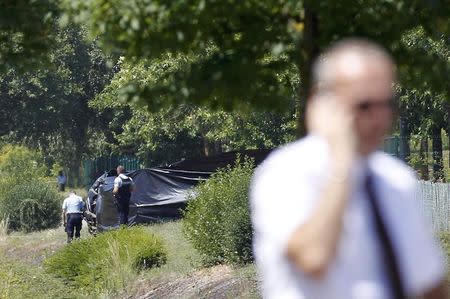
(328, 116)
(312, 246)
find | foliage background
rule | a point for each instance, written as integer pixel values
(202, 69)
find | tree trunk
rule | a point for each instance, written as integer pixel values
(308, 50)
(73, 175)
(438, 166)
(424, 173)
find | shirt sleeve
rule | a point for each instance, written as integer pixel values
(64, 205)
(117, 182)
(280, 204)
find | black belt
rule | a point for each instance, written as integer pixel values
(75, 213)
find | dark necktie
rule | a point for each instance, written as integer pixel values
(390, 261)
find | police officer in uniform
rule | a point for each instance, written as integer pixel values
(73, 208)
(123, 186)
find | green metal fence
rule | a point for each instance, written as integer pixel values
(93, 168)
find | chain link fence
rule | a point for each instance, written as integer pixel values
(435, 202)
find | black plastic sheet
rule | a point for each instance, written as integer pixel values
(160, 193)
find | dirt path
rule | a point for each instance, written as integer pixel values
(216, 282)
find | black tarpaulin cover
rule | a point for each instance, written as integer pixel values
(160, 193)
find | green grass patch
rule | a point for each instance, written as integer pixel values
(182, 258)
(109, 261)
(20, 280)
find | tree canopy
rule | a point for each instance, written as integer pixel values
(26, 32)
(197, 73)
(183, 130)
(47, 107)
(236, 53)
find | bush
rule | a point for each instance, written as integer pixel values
(217, 220)
(31, 205)
(99, 263)
(26, 198)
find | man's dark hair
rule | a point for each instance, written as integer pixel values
(120, 169)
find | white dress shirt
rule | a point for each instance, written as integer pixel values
(73, 204)
(284, 192)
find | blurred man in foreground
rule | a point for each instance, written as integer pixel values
(334, 217)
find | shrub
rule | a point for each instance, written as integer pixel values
(31, 205)
(98, 263)
(217, 218)
(26, 198)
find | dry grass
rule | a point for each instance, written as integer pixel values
(34, 247)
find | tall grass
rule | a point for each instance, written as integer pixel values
(121, 272)
(22, 274)
(6, 286)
